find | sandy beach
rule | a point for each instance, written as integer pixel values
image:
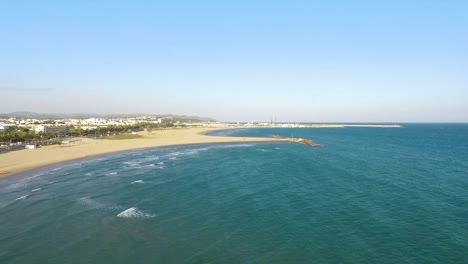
(23, 160)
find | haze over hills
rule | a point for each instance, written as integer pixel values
(34, 115)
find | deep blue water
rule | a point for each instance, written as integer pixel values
(367, 196)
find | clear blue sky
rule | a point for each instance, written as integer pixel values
(354, 61)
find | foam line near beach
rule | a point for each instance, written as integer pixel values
(23, 160)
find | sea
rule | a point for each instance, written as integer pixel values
(368, 195)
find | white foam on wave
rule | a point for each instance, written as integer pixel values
(190, 152)
(150, 158)
(93, 204)
(52, 171)
(222, 146)
(24, 182)
(262, 150)
(35, 190)
(179, 154)
(22, 197)
(87, 201)
(139, 181)
(134, 212)
(132, 164)
(141, 163)
(112, 173)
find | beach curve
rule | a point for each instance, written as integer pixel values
(15, 162)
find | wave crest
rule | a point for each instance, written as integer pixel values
(133, 212)
(139, 181)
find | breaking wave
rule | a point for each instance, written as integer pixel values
(22, 197)
(134, 212)
(139, 181)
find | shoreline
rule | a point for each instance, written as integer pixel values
(19, 161)
(16, 162)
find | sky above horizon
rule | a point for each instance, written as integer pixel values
(315, 61)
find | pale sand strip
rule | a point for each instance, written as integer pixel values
(23, 160)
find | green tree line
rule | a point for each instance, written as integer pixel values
(27, 135)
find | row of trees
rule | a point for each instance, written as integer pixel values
(103, 131)
(25, 135)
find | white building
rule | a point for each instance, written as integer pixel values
(40, 128)
(47, 129)
(4, 127)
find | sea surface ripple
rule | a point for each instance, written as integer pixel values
(368, 195)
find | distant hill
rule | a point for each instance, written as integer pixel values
(34, 115)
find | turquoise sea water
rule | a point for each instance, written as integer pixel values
(367, 196)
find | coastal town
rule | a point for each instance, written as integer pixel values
(56, 125)
(19, 133)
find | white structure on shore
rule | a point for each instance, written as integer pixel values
(4, 127)
(49, 129)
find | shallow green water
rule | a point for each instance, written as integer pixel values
(368, 196)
